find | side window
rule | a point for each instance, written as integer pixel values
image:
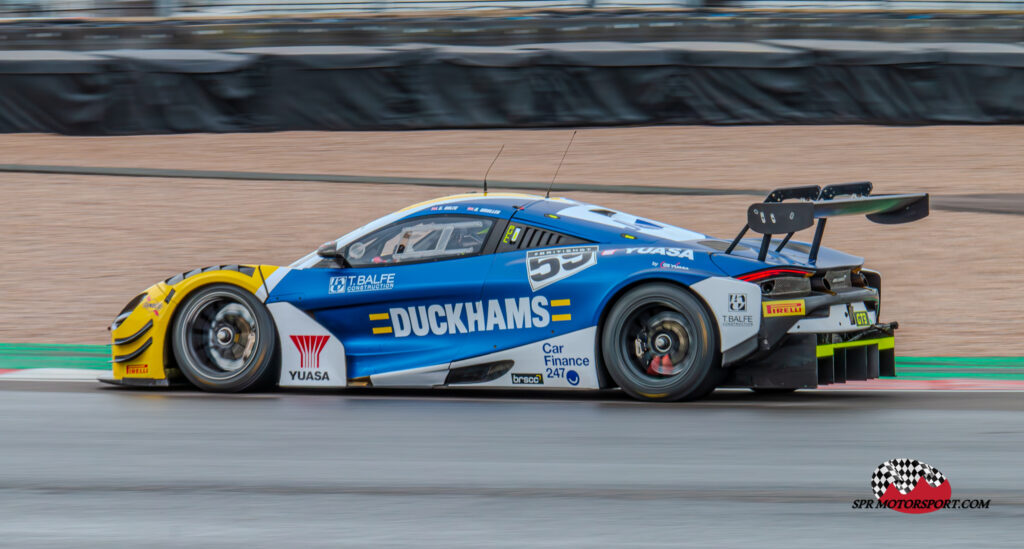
(421, 239)
(524, 237)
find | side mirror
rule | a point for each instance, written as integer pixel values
(329, 250)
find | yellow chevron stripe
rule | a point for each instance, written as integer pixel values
(560, 318)
(380, 316)
(560, 303)
(382, 330)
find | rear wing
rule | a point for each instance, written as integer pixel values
(774, 216)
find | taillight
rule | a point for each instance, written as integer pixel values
(781, 281)
(758, 276)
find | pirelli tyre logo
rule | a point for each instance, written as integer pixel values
(513, 313)
(545, 267)
(787, 307)
(136, 369)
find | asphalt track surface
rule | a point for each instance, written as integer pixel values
(82, 465)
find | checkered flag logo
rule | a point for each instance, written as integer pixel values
(905, 474)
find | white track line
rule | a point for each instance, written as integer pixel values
(53, 374)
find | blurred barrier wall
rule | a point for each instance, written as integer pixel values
(174, 8)
(565, 84)
(505, 28)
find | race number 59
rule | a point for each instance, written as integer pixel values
(545, 267)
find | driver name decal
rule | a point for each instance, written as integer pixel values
(545, 267)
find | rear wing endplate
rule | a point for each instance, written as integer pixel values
(774, 216)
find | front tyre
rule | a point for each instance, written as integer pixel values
(658, 343)
(223, 339)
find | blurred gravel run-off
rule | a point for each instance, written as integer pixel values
(77, 248)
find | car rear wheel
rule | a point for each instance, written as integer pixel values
(658, 343)
(223, 339)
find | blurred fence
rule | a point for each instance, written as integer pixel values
(173, 8)
(415, 86)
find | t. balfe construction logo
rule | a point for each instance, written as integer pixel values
(912, 486)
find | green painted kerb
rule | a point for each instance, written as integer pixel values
(16, 356)
(941, 367)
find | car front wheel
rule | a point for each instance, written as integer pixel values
(223, 339)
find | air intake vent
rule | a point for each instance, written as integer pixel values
(479, 373)
(525, 237)
(537, 238)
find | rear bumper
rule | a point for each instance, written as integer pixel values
(866, 358)
(806, 361)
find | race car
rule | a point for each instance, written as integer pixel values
(522, 291)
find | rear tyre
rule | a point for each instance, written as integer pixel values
(223, 339)
(658, 343)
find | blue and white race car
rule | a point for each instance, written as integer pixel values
(515, 291)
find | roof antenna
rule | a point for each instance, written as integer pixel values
(548, 194)
(491, 166)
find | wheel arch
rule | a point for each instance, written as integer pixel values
(604, 378)
(182, 292)
(204, 283)
(161, 305)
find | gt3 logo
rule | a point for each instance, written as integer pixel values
(511, 234)
(545, 267)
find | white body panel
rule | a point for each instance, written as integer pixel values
(565, 362)
(628, 223)
(736, 305)
(427, 376)
(838, 320)
(310, 355)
